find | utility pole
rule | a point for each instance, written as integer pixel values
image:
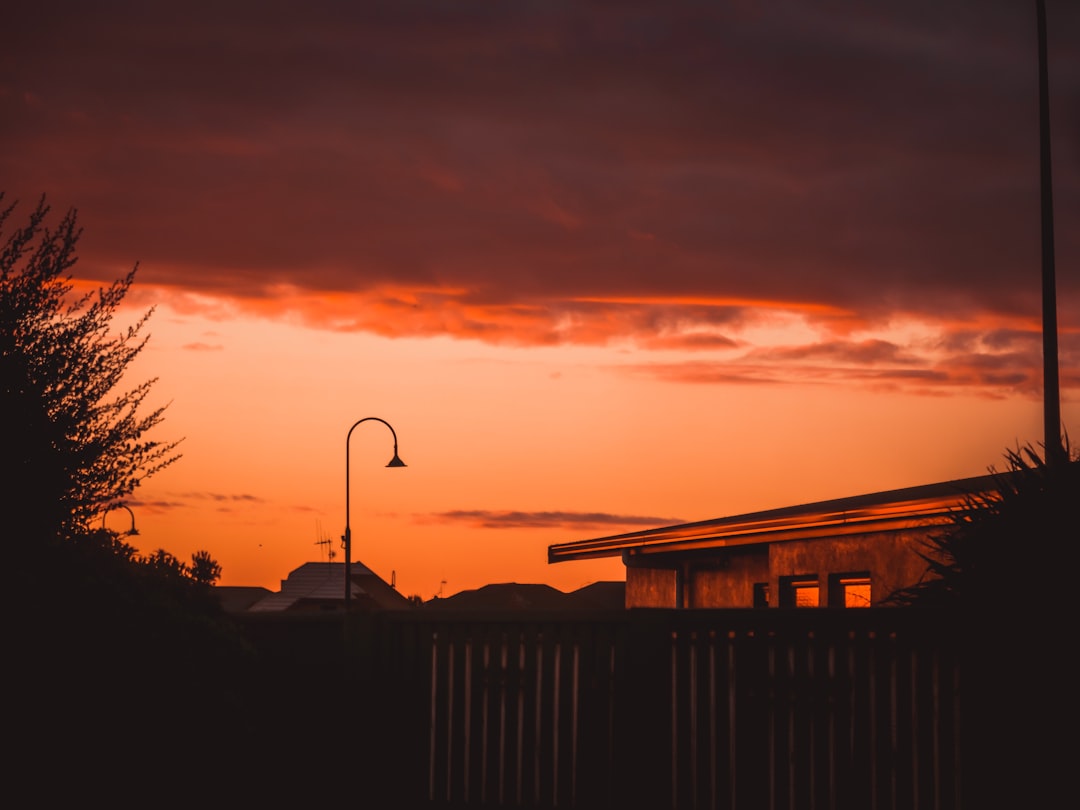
(1055, 448)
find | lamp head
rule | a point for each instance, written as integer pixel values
(396, 461)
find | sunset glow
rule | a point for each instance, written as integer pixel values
(603, 267)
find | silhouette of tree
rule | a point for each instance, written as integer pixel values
(1001, 569)
(994, 552)
(103, 633)
(73, 441)
(204, 568)
(165, 564)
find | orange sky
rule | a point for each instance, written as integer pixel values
(602, 267)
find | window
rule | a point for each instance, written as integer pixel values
(850, 590)
(800, 591)
(806, 594)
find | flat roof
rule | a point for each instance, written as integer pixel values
(891, 510)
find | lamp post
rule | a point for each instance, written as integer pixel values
(130, 532)
(1053, 445)
(347, 537)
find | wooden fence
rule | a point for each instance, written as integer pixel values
(733, 710)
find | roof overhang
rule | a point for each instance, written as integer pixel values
(893, 510)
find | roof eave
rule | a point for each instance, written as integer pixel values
(895, 510)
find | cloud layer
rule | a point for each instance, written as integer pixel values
(572, 521)
(676, 177)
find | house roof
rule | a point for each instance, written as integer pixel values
(503, 596)
(606, 595)
(515, 596)
(891, 510)
(238, 598)
(323, 583)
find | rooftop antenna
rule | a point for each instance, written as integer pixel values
(324, 540)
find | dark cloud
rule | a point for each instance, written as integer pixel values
(157, 506)
(522, 170)
(994, 364)
(691, 341)
(865, 352)
(512, 519)
(221, 497)
(203, 347)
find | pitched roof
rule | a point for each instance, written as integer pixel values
(516, 596)
(503, 596)
(600, 595)
(238, 598)
(323, 584)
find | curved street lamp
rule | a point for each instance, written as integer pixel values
(130, 532)
(347, 537)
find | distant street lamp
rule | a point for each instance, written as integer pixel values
(130, 532)
(347, 537)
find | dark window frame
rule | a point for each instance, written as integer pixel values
(761, 594)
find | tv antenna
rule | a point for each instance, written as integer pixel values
(322, 539)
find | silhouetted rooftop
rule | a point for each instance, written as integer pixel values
(514, 596)
(321, 585)
(238, 598)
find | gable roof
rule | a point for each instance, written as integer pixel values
(238, 598)
(606, 595)
(516, 596)
(503, 596)
(891, 510)
(323, 585)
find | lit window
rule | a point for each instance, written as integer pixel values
(856, 592)
(850, 590)
(806, 594)
(800, 591)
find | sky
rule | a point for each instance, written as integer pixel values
(601, 266)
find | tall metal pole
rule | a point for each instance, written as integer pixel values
(347, 537)
(1052, 441)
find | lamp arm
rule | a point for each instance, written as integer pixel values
(110, 507)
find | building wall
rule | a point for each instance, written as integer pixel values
(889, 557)
(726, 577)
(651, 587)
(729, 586)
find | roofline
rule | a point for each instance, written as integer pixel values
(880, 511)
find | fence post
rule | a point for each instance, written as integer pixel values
(642, 720)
